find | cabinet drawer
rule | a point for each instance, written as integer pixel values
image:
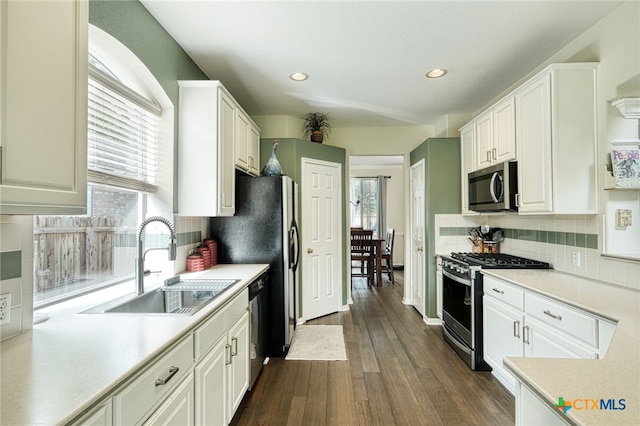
(503, 291)
(141, 395)
(563, 317)
(208, 333)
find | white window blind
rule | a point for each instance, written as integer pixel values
(122, 135)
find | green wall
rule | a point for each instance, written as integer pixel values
(290, 153)
(441, 196)
(131, 24)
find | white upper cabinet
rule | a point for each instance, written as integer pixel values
(556, 140)
(495, 134)
(43, 113)
(206, 149)
(467, 154)
(247, 143)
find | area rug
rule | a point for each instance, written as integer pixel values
(318, 343)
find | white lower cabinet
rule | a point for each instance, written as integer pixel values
(222, 376)
(502, 337)
(155, 386)
(222, 363)
(99, 416)
(531, 411)
(177, 408)
(518, 322)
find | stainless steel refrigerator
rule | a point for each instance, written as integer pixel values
(264, 230)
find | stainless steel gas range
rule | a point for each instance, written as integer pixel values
(462, 299)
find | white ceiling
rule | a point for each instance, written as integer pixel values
(367, 59)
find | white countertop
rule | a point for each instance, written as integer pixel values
(616, 376)
(68, 363)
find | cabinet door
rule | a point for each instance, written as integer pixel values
(239, 367)
(541, 341)
(468, 161)
(501, 330)
(43, 115)
(100, 416)
(484, 140)
(504, 132)
(226, 174)
(211, 384)
(242, 140)
(533, 143)
(531, 411)
(177, 409)
(254, 150)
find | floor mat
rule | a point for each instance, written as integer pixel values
(318, 342)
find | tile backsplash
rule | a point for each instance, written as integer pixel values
(16, 272)
(545, 238)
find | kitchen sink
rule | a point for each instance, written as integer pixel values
(176, 297)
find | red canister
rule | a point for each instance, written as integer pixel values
(213, 250)
(206, 255)
(195, 262)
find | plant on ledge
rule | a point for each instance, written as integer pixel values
(316, 125)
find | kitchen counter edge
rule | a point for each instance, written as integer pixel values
(24, 387)
(613, 376)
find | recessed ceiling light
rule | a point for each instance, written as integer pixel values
(298, 76)
(436, 73)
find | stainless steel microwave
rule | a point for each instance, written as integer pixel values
(494, 188)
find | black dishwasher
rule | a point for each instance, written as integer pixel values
(257, 330)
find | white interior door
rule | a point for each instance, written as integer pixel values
(321, 232)
(416, 280)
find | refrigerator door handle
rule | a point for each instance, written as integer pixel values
(294, 246)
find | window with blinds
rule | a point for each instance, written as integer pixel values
(74, 255)
(122, 141)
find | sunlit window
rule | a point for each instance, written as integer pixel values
(77, 254)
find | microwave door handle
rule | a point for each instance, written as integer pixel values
(492, 188)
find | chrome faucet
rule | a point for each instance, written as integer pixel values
(171, 248)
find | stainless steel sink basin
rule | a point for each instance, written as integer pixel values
(181, 297)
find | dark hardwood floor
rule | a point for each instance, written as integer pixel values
(399, 372)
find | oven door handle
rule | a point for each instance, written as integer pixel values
(453, 340)
(457, 279)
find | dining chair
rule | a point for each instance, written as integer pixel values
(362, 252)
(387, 255)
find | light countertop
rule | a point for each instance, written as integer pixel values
(616, 376)
(70, 362)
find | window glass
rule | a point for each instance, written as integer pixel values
(77, 254)
(364, 203)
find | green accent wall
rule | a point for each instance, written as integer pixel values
(441, 196)
(290, 153)
(130, 23)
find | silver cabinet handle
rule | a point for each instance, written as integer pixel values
(493, 153)
(525, 332)
(489, 156)
(234, 346)
(227, 351)
(517, 200)
(497, 291)
(172, 372)
(516, 329)
(548, 313)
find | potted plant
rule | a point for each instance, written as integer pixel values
(316, 125)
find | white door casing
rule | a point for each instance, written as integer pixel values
(321, 233)
(416, 278)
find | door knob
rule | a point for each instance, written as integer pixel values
(309, 250)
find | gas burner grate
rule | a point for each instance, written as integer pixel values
(499, 260)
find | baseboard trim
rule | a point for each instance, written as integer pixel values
(432, 321)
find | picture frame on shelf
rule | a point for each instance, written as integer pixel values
(625, 162)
